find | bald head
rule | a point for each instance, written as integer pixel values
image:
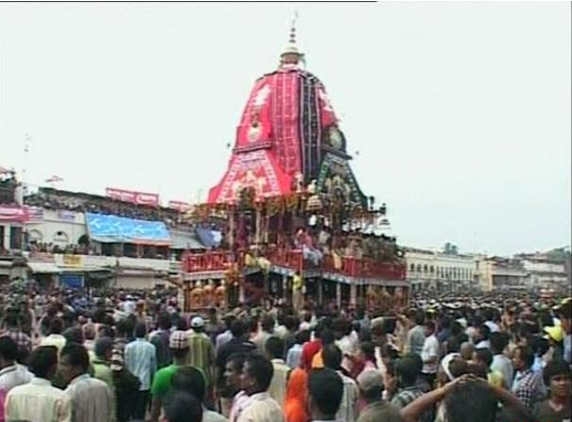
(467, 350)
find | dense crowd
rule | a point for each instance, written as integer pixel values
(102, 205)
(134, 356)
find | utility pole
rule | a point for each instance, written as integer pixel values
(27, 141)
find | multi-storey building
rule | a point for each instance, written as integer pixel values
(545, 272)
(435, 269)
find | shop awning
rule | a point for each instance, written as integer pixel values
(185, 240)
(44, 268)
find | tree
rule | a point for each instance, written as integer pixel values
(450, 249)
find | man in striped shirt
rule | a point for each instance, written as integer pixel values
(202, 355)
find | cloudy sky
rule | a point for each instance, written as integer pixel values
(458, 115)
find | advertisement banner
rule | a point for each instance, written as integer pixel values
(139, 198)
(121, 195)
(179, 206)
(142, 198)
(11, 214)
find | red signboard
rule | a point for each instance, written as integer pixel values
(147, 199)
(179, 206)
(121, 195)
(139, 198)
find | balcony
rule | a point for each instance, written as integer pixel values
(293, 260)
(365, 268)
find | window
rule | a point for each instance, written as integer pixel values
(431, 269)
(418, 267)
(412, 268)
(61, 237)
(15, 237)
(425, 269)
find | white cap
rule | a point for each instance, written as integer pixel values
(197, 322)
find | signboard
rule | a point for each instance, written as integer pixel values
(113, 229)
(139, 198)
(66, 215)
(73, 261)
(121, 195)
(72, 281)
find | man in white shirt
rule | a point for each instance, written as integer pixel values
(11, 374)
(255, 380)
(38, 401)
(430, 353)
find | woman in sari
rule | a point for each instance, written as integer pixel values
(295, 403)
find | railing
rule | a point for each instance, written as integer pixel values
(289, 258)
(365, 267)
(294, 260)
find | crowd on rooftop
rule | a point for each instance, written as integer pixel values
(101, 205)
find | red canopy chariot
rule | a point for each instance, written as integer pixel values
(289, 202)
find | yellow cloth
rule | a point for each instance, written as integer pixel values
(495, 378)
(555, 333)
(297, 282)
(249, 261)
(318, 361)
(263, 263)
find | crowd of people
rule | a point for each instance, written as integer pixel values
(49, 247)
(102, 205)
(134, 356)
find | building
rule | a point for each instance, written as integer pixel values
(438, 270)
(497, 273)
(546, 271)
(58, 228)
(77, 239)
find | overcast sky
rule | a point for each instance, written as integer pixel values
(460, 112)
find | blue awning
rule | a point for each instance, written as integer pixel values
(114, 229)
